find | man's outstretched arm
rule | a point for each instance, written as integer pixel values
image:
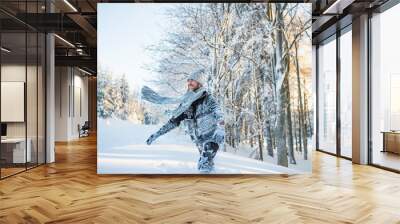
(171, 124)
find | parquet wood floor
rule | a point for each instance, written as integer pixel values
(70, 191)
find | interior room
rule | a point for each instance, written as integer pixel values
(71, 100)
(22, 103)
(51, 86)
(385, 87)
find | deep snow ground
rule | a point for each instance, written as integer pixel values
(122, 150)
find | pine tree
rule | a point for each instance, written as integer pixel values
(105, 95)
(122, 101)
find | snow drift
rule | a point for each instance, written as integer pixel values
(122, 150)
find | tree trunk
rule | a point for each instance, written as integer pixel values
(260, 147)
(268, 136)
(259, 122)
(303, 127)
(280, 75)
(289, 122)
(299, 117)
(296, 136)
(281, 139)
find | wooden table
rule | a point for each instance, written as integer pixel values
(391, 141)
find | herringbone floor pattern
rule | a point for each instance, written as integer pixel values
(70, 191)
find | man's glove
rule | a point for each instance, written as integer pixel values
(151, 139)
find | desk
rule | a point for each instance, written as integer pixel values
(391, 141)
(17, 150)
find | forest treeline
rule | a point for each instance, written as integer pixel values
(258, 65)
(257, 58)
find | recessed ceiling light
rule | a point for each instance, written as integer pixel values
(70, 5)
(5, 50)
(338, 6)
(64, 40)
(84, 71)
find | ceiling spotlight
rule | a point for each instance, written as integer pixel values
(79, 51)
(5, 50)
(70, 5)
(84, 71)
(65, 41)
(337, 7)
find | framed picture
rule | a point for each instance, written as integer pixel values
(204, 88)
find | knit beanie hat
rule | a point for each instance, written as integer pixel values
(198, 76)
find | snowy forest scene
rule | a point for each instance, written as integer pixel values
(219, 88)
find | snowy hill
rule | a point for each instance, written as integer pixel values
(122, 150)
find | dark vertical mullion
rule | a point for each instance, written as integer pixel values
(338, 81)
(73, 92)
(45, 89)
(316, 97)
(69, 92)
(369, 90)
(26, 86)
(45, 93)
(80, 103)
(0, 96)
(37, 89)
(60, 88)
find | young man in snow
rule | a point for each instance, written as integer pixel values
(203, 119)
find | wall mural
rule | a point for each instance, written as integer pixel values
(207, 88)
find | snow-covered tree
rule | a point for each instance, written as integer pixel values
(104, 98)
(250, 53)
(122, 100)
(253, 55)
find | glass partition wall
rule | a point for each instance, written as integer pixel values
(327, 95)
(334, 84)
(385, 90)
(345, 61)
(13, 88)
(22, 91)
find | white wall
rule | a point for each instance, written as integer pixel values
(12, 73)
(360, 90)
(34, 125)
(71, 87)
(80, 103)
(61, 103)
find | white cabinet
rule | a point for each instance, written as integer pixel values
(18, 149)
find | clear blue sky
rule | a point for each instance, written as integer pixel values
(124, 30)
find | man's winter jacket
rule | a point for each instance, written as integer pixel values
(202, 117)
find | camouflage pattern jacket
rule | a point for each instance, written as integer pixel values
(202, 117)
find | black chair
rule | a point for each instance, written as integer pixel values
(84, 130)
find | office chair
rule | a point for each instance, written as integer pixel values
(84, 130)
